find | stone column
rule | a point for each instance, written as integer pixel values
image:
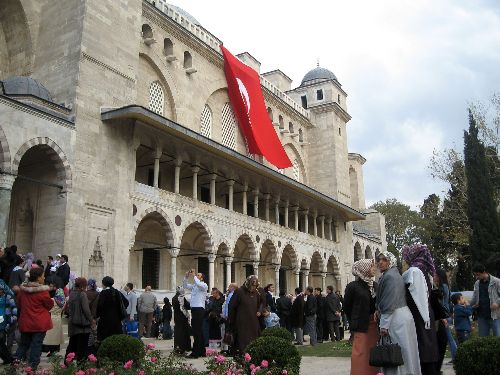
(6, 183)
(256, 269)
(211, 271)
(230, 186)
(296, 217)
(297, 279)
(213, 177)
(322, 221)
(306, 278)
(266, 212)
(323, 281)
(256, 203)
(277, 280)
(244, 199)
(277, 211)
(228, 262)
(315, 224)
(177, 175)
(286, 213)
(306, 221)
(329, 225)
(156, 175)
(195, 171)
(173, 271)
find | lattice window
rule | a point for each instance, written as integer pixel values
(296, 169)
(228, 127)
(156, 98)
(206, 122)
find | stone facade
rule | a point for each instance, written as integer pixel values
(135, 166)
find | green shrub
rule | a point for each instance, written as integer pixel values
(478, 355)
(278, 332)
(277, 351)
(121, 348)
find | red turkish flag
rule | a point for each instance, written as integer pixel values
(247, 100)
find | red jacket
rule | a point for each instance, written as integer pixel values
(34, 303)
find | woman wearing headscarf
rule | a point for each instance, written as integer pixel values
(418, 282)
(244, 311)
(80, 320)
(166, 318)
(182, 338)
(93, 297)
(359, 306)
(396, 320)
(109, 310)
(54, 337)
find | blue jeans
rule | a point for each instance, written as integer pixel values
(451, 340)
(462, 336)
(485, 325)
(31, 341)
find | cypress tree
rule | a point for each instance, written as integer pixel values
(481, 207)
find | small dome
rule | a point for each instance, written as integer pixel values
(26, 86)
(185, 14)
(317, 75)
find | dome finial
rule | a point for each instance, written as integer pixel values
(317, 62)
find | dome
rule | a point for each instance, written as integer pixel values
(26, 86)
(317, 74)
(185, 14)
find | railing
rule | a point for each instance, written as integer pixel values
(292, 103)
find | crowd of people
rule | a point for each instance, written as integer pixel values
(414, 309)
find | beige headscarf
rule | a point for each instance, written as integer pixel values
(361, 269)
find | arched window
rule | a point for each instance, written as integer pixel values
(301, 136)
(296, 169)
(228, 127)
(270, 113)
(147, 32)
(168, 47)
(206, 122)
(156, 98)
(188, 60)
(281, 122)
(290, 127)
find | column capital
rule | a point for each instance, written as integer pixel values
(213, 176)
(306, 272)
(329, 219)
(306, 211)
(315, 214)
(286, 202)
(277, 268)
(255, 191)
(230, 182)
(173, 252)
(294, 208)
(157, 152)
(228, 260)
(195, 168)
(178, 162)
(321, 217)
(211, 258)
(256, 264)
(6, 181)
(323, 275)
(267, 196)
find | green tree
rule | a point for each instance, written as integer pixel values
(401, 224)
(481, 206)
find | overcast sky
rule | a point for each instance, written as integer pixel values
(410, 68)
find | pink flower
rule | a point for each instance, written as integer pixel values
(247, 357)
(27, 370)
(255, 370)
(128, 364)
(380, 373)
(70, 357)
(284, 372)
(264, 363)
(151, 346)
(141, 372)
(63, 365)
(79, 372)
(111, 373)
(153, 359)
(252, 366)
(210, 352)
(92, 358)
(220, 359)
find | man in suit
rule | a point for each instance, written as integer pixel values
(297, 317)
(320, 313)
(64, 270)
(332, 313)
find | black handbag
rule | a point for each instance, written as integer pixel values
(386, 354)
(436, 298)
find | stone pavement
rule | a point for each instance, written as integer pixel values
(309, 365)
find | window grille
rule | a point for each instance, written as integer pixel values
(156, 98)
(206, 122)
(228, 127)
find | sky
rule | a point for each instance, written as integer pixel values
(410, 68)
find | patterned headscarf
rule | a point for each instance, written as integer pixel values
(91, 284)
(391, 258)
(59, 298)
(418, 255)
(361, 269)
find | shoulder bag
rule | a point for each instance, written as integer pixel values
(386, 354)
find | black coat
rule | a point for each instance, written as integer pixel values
(332, 306)
(320, 309)
(182, 329)
(283, 306)
(109, 313)
(270, 302)
(63, 272)
(311, 306)
(359, 305)
(297, 312)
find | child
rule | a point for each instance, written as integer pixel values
(270, 319)
(461, 314)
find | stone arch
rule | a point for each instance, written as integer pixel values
(333, 272)
(247, 240)
(62, 164)
(245, 257)
(165, 221)
(317, 262)
(205, 234)
(16, 40)
(289, 266)
(220, 271)
(169, 88)
(368, 252)
(4, 152)
(295, 155)
(358, 251)
(268, 262)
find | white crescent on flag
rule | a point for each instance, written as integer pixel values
(244, 94)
